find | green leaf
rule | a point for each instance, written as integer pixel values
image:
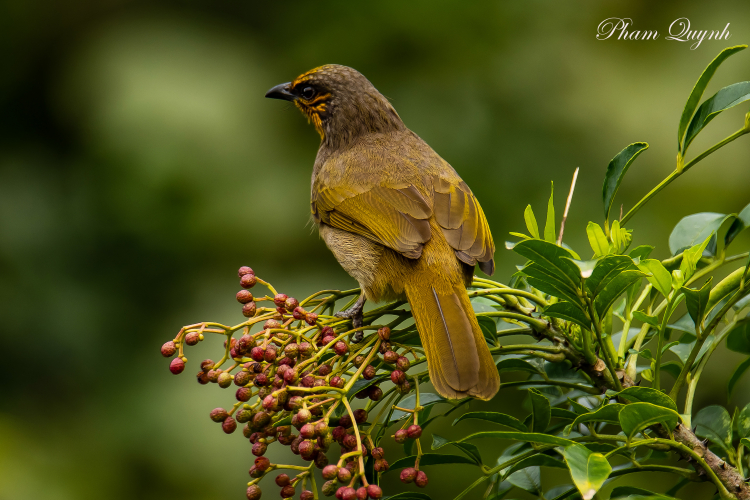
(549, 228)
(699, 88)
(660, 277)
(745, 442)
(549, 256)
(743, 422)
(613, 289)
(546, 282)
(562, 413)
(468, 449)
(713, 422)
(724, 288)
(616, 170)
(606, 270)
(607, 413)
(364, 384)
(597, 239)
(531, 225)
(588, 470)
(736, 375)
(528, 437)
(626, 491)
(694, 229)
(726, 98)
(741, 223)
(567, 311)
(641, 252)
(498, 418)
(690, 258)
(648, 395)
(539, 460)
(517, 364)
(620, 237)
(489, 328)
(742, 303)
(636, 416)
(409, 495)
(586, 267)
(528, 479)
(425, 399)
(540, 410)
(738, 339)
(431, 459)
(645, 318)
(696, 301)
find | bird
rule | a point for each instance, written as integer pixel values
(399, 220)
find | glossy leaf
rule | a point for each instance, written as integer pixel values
(700, 86)
(517, 364)
(641, 252)
(620, 237)
(597, 239)
(606, 270)
(586, 267)
(425, 399)
(736, 376)
(549, 283)
(489, 328)
(364, 384)
(549, 256)
(528, 437)
(624, 492)
(616, 170)
(497, 418)
(645, 318)
(607, 413)
(635, 416)
(613, 289)
(742, 303)
(589, 470)
(726, 98)
(713, 422)
(431, 459)
(539, 460)
(540, 411)
(468, 449)
(694, 229)
(696, 301)
(549, 227)
(743, 422)
(567, 311)
(562, 413)
(741, 223)
(531, 225)
(660, 277)
(738, 339)
(528, 479)
(648, 395)
(724, 289)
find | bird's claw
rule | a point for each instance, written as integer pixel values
(354, 313)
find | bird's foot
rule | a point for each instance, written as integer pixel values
(354, 313)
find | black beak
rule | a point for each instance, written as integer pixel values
(281, 91)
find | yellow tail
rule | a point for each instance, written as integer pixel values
(458, 358)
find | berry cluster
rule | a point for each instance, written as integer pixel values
(294, 379)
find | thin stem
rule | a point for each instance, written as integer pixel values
(567, 206)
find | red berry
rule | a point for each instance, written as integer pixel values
(176, 366)
(338, 433)
(344, 475)
(337, 382)
(168, 349)
(362, 493)
(242, 378)
(244, 270)
(243, 297)
(348, 494)
(330, 472)
(404, 388)
(384, 333)
(219, 414)
(229, 425)
(307, 431)
(408, 475)
(261, 380)
(280, 299)
(202, 378)
(243, 394)
(350, 441)
(377, 453)
(298, 313)
(340, 348)
(398, 377)
(259, 449)
(375, 392)
(369, 372)
(248, 310)
(381, 465)
(282, 480)
(253, 492)
(305, 349)
(248, 281)
(270, 354)
(360, 416)
(311, 319)
(421, 479)
(390, 356)
(291, 304)
(306, 449)
(325, 370)
(257, 353)
(403, 363)
(401, 436)
(306, 495)
(292, 350)
(414, 431)
(374, 491)
(262, 463)
(287, 491)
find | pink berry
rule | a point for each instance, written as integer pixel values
(414, 431)
(243, 297)
(421, 479)
(168, 349)
(229, 425)
(408, 475)
(176, 366)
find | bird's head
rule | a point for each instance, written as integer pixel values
(340, 102)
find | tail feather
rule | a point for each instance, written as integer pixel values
(458, 358)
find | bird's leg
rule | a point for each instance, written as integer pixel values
(355, 314)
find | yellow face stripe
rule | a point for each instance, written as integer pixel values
(305, 76)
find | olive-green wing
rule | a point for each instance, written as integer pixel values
(396, 217)
(464, 225)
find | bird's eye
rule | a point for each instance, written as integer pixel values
(308, 92)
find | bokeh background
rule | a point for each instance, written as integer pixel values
(140, 166)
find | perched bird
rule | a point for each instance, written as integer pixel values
(399, 220)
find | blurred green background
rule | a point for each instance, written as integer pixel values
(140, 166)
